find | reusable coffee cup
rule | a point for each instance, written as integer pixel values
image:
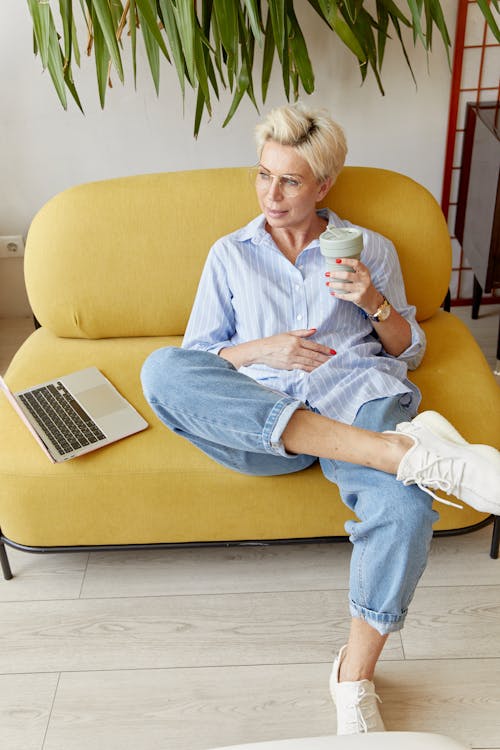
(340, 242)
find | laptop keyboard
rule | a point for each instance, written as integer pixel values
(64, 421)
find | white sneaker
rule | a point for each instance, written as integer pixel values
(442, 460)
(356, 702)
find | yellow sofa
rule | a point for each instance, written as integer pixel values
(111, 271)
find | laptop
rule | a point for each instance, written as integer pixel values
(75, 414)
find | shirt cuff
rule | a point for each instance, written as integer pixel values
(216, 348)
(413, 355)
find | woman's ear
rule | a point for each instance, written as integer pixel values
(324, 188)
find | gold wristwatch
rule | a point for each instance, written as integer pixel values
(382, 312)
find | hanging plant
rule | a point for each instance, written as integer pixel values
(212, 43)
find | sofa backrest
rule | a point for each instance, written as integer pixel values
(123, 257)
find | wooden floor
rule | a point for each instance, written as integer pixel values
(193, 649)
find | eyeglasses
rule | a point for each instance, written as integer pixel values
(289, 186)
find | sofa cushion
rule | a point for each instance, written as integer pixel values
(455, 379)
(151, 487)
(155, 487)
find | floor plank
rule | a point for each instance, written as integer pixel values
(460, 699)
(44, 576)
(462, 560)
(217, 570)
(184, 631)
(203, 708)
(459, 622)
(25, 705)
(183, 709)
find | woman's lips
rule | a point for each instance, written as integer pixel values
(274, 213)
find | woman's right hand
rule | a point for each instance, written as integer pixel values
(284, 351)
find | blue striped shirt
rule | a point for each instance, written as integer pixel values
(249, 290)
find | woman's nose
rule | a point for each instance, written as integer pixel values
(275, 191)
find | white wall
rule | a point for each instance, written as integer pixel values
(44, 149)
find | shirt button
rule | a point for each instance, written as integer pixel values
(297, 287)
(299, 317)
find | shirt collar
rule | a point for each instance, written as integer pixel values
(255, 231)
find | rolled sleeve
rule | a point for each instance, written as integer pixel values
(216, 348)
(383, 261)
(413, 355)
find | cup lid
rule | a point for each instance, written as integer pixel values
(347, 238)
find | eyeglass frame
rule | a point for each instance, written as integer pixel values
(259, 170)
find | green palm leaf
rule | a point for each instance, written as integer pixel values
(490, 18)
(74, 40)
(132, 18)
(255, 20)
(151, 45)
(55, 64)
(268, 57)
(212, 42)
(66, 11)
(416, 13)
(168, 19)
(278, 25)
(185, 21)
(299, 55)
(102, 17)
(102, 58)
(332, 15)
(148, 17)
(40, 13)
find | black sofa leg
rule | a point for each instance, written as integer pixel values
(4, 560)
(495, 538)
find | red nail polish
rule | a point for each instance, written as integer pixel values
(338, 260)
(332, 351)
(327, 273)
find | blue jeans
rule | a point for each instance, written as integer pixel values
(239, 423)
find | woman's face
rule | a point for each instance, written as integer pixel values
(284, 208)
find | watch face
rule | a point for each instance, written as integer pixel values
(384, 312)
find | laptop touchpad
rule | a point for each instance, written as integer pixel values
(100, 401)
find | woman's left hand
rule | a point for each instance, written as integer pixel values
(354, 286)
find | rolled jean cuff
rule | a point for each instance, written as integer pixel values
(383, 622)
(276, 422)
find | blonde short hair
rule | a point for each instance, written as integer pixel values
(316, 137)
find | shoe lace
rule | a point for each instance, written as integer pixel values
(362, 714)
(443, 477)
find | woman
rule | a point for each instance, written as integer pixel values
(278, 370)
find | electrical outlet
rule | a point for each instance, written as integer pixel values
(11, 246)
